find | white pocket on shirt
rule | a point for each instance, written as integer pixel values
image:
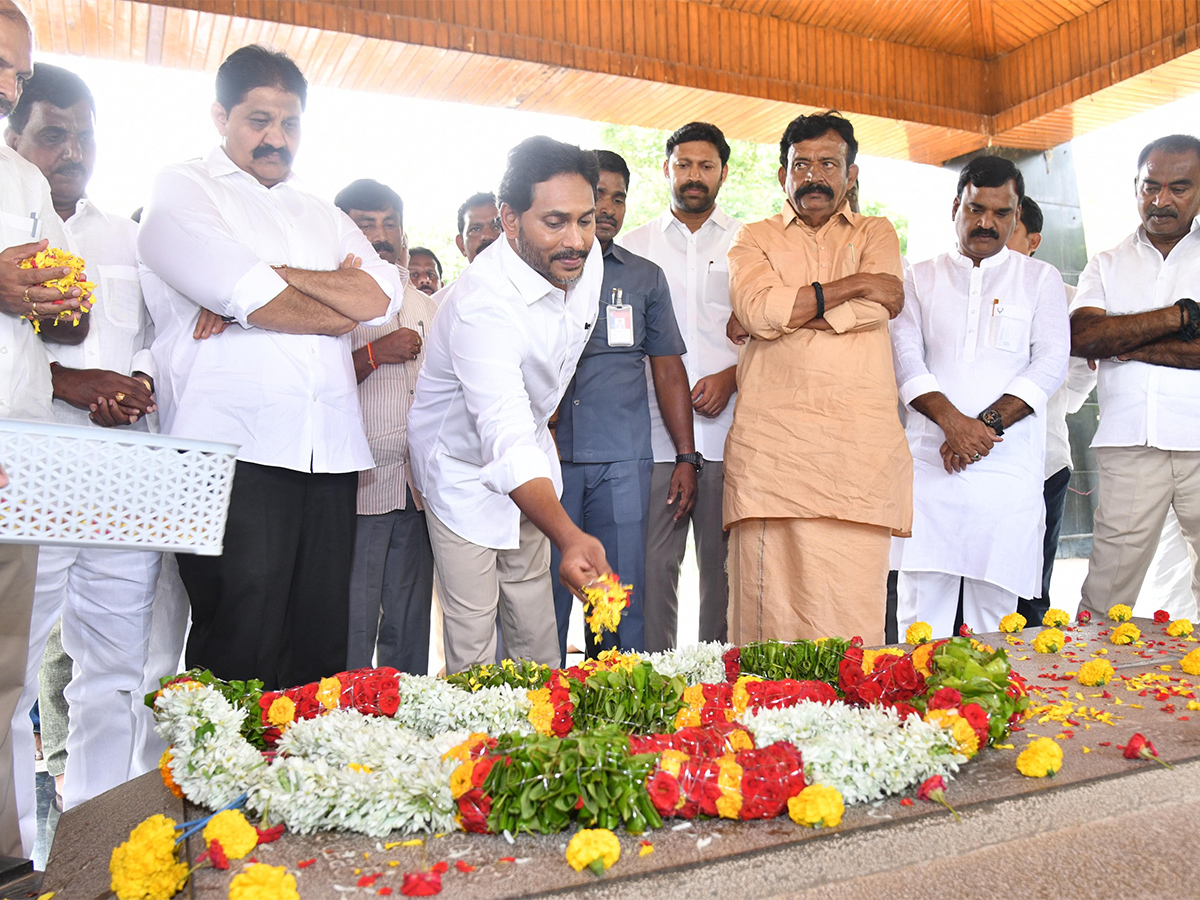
(1009, 329)
(119, 295)
(19, 230)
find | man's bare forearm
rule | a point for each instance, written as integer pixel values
(1168, 351)
(935, 406)
(1097, 335)
(804, 310)
(351, 292)
(674, 400)
(1012, 409)
(292, 312)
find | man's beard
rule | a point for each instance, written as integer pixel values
(702, 203)
(540, 262)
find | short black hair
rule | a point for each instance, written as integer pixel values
(254, 66)
(483, 198)
(539, 159)
(700, 131)
(59, 87)
(805, 128)
(613, 162)
(369, 195)
(1031, 216)
(1171, 143)
(991, 171)
(425, 251)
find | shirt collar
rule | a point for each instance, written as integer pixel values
(1139, 236)
(617, 252)
(718, 219)
(531, 285)
(790, 215)
(991, 262)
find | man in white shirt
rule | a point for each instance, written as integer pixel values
(1081, 378)
(499, 357)
(391, 583)
(1136, 314)
(979, 348)
(103, 596)
(28, 223)
(235, 235)
(690, 243)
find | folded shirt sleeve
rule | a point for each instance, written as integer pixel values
(760, 299)
(913, 378)
(390, 277)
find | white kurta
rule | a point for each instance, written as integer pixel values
(975, 333)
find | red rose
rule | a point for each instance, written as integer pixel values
(1083, 617)
(474, 807)
(945, 698)
(663, 789)
(480, 772)
(270, 835)
(1162, 617)
(215, 854)
(977, 718)
(929, 785)
(964, 630)
(421, 884)
(389, 702)
(562, 723)
(733, 663)
(1139, 748)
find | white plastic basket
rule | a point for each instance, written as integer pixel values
(79, 486)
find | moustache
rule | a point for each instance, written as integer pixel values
(607, 220)
(567, 254)
(694, 186)
(69, 169)
(1162, 211)
(262, 150)
(814, 188)
(383, 247)
(427, 289)
(986, 232)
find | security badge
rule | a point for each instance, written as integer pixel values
(620, 321)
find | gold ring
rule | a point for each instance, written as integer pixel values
(27, 300)
(119, 397)
(35, 312)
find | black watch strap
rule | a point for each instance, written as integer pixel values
(694, 459)
(992, 419)
(816, 286)
(1189, 331)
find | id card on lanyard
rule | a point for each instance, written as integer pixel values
(620, 321)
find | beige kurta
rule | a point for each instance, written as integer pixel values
(816, 434)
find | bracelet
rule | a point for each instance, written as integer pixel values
(371, 357)
(816, 286)
(1189, 309)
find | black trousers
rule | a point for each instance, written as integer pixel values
(275, 604)
(1054, 492)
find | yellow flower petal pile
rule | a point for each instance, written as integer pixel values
(1056, 618)
(817, 806)
(1180, 628)
(1125, 633)
(1191, 662)
(1041, 758)
(1012, 623)
(262, 882)
(541, 711)
(918, 633)
(1120, 613)
(145, 867)
(1049, 641)
(237, 836)
(604, 602)
(1096, 672)
(590, 845)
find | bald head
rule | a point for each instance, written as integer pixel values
(16, 54)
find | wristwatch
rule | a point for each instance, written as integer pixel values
(694, 458)
(992, 420)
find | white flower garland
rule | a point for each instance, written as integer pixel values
(700, 664)
(864, 752)
(432, 706)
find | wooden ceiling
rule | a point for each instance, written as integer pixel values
(925, 80)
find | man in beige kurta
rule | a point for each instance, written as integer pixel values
(818, 474)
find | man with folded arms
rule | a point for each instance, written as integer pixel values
(234, 236)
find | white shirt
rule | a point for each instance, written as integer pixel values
(975, 333)
(209, 236)
(1143, 405)
(120, 331)
(1073, 393)
(697, 269)
(502, 350)
(26, 215)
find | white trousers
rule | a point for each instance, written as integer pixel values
(104, 598)
(933, 597)
(168, 633)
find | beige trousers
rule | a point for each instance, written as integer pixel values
(474, 581)
(802, 579)
(1137, 486)
(18, 573)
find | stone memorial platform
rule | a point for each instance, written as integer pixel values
(1105, 826)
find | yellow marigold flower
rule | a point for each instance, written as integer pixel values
(1191, 662)
(817, 806)
(965, 738)
(1096, 672)
(1125, 633)
(918, 633)
(462, 752)
(164, 769)
(1041, 758)
(593, 848)
(921, 658)
(1049, 641)
(1056, 618)
(729, 780)
(741, 696)
(1180, 628)
(237, 836)
(729, 804)
(1120, 613)
(329, 693)
(739, 740)
(541, 712)
(1012, 623)
(262, 882)
(282, 711)
(869, 657)
(145, 866)
(671, 761)
(460, 779)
